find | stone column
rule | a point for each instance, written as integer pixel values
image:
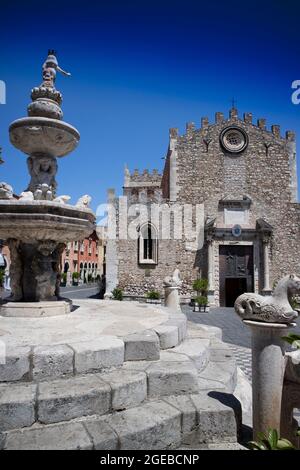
(172, 297)
(266, 289)
(268, 367)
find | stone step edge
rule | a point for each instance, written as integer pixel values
(155, 381)
(158, 424)
(32, 363)
(22, 405)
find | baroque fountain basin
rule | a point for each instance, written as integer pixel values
(42, 135)
(44, 220)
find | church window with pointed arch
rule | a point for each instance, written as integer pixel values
(148, 244)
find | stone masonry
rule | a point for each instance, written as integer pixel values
(199, 169)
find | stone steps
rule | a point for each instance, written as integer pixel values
(36, 363)
(186, 420)
(184, 398)
(63, 399)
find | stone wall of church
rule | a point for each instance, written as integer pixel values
(206, 174)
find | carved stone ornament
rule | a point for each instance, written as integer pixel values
(174, 280)
(275, 308)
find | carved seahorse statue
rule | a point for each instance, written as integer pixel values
(274, 308)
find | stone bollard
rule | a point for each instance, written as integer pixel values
(172, 285)
(269, 318)
(172, 299)
(268, 368)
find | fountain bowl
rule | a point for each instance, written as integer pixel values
(42, 135)
(44, 220)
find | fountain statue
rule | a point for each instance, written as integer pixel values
(37, 224)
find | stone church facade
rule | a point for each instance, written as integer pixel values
(244, 177)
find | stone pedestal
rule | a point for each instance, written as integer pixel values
(172, 298)
(268, 367)
(35, 309)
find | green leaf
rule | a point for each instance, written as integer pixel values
(291, 337)
(285, 444)
(256, 446)
(272, 438)
(288, 339)
(261, 436)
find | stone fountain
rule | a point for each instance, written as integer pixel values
(38, 223)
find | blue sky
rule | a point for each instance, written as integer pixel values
(139, 68)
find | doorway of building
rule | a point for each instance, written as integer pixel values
(234, 286)
(236, 272)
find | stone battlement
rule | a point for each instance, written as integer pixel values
(233, 114)
(142, 177)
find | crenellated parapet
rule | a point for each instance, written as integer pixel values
(142, 178)
(233, 115)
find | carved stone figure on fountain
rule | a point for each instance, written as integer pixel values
(16, 270)
(43, 272)
(6, 191)
(50, 67)
(42, 170)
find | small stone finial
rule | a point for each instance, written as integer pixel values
(219, 117)
(173, 132)
(248, 118)
(290, 136)
(233, 113)
(136, 172)
(126, 175)
(261, 123)
(275, 130)
(111, 194)
(204, 122)
(190, 127)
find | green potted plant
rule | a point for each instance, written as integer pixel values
(63, 279)
(117, 294)
(201, 287)
(75, 278)
(153, 297)
(200, 304)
